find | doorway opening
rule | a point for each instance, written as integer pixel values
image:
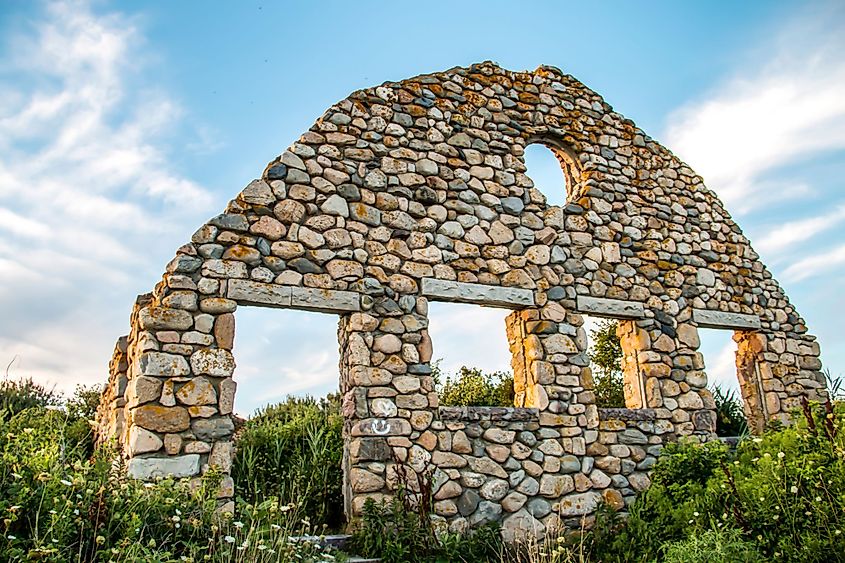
(289, 425)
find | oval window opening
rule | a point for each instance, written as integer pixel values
(547, 173)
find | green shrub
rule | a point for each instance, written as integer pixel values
(713, 546)
(58, 505)
(292, 451)
(473, 388)
(19, 395)
(782, 494)
(730, 418)
(396, 534)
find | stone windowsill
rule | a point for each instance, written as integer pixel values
(627, 414)
(509, 414)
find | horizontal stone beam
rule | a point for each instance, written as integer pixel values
(325, 300)
(247, 292)
(480, 294)
(613, 308)
(721, 319)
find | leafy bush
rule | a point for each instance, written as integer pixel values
(473, 388)
(781, 496)
(713, 546)
(19, 395)
(392, 532)
(606, 357)
(58, 505)
(292, 451)
(730, 418)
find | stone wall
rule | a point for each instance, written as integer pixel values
(416, 191)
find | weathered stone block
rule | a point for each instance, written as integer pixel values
(480, 294)
(150, 468)
(257, 293)
(213, 361)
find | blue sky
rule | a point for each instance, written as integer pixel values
(124, 125)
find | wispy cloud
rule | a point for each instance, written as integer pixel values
(794, 232)
(86, 186)
(752, 123)
(816, 264)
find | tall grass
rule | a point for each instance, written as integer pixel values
(292, 451)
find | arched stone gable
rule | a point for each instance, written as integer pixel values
(416, 191)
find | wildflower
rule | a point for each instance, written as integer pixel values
(808, 513)
(781, 455)
(776, 516)
(837, 532)
(66, 483)
(229, 539)
(793, 489)
(262, 547)
(11, 537)
(818, 499)
(100, 540)
(695, 514)
(275, 527)
(238, 525)
(175, 518)
(28, 430)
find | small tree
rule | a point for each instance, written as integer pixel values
(606, 358)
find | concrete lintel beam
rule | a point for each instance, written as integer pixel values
(721, 319)
(611, 308)
(480, 294)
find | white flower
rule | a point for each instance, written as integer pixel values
(781, 455)
(793, 489)
(275, 526)
(11, 537)
(695, 514)
(229, 539)
(66, 483)
(238, 525)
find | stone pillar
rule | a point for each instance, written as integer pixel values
(388, 397)
(633, 341)
(775, 370)
(180, 391)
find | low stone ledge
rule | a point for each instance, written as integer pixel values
(613, 308)
(480, 294)
(722, 319)
(636, 415)
(505, 414)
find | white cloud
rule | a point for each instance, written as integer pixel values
(791, 109)
(91, 207)
(794, 232)
(815, 264)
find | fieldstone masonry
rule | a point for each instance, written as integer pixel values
(416, 191)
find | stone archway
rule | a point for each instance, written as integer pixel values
(413, 191)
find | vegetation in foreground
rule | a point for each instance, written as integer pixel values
(777, 497)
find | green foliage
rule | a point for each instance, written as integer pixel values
(730, 418)
(292, 451)
(395, 534)
(779, 497)
(84, 402)
(19, 395)
(473, 388)
(606, 357)
(59, 505)
(714, 546)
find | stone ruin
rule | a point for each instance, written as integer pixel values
(415, 191)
